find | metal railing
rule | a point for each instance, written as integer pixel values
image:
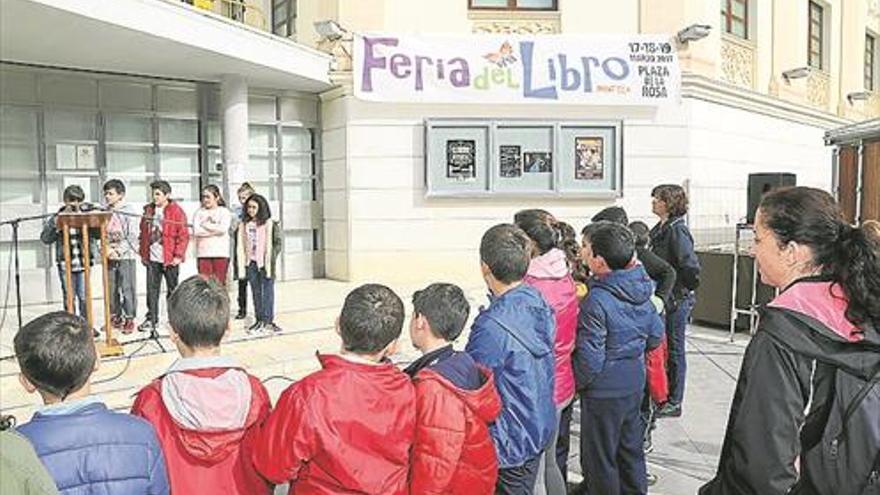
(241, 11)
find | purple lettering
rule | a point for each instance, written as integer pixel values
(419, 62)
(371, 61)
(397, 63)
(461, 76)
(624, 68)
(571, 78)
(588, 76)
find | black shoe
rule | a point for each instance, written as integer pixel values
(147, 326)
(669, 410)
(242, 314)
(272, 327)
(652, 479)
(257, 324)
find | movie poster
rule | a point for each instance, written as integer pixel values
(588, 154)
(511, 161)
(537, 162)
(461, 159)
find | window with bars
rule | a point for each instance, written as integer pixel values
(869, 62)
(513, 4)
(816, 37)
(284, 17)
(735, 17)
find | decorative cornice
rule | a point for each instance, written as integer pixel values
(502, 22)
(738, 62)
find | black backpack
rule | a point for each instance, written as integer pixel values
(843, 457)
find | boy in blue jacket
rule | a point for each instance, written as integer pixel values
(87, 448)
(617, 322)
(514, 338)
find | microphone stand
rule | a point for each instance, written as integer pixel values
(15, 222)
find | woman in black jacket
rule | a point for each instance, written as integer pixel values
(805, 417)
(672, 241)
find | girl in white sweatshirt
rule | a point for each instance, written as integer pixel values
(211, 231)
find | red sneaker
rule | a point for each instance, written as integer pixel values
(128, 326)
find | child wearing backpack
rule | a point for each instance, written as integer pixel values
(806, 412)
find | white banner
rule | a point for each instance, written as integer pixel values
(600, 69)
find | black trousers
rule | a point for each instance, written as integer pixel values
(563, 440)
(242, 295)
(612, 459)
(155, 273)
(519, 480)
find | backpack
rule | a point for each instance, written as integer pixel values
(841, 453)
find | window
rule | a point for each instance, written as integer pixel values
(816, 36)
(735, 17)
(284, 17)
(869, 62)
(513, 4)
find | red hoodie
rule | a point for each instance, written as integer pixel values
(453, 452)
(207, 413)
(345, 429)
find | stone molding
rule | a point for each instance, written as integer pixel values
(738, 61)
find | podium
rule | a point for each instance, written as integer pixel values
(84, 221)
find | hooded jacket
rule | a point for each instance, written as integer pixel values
(207, 412)
(781, 404)
(672, 241)
(514, 338)
(453, 453)
(91, 450)
(345, 429)
(617, 323)
(175, 232)
(549, 273)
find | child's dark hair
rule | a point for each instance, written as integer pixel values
(56, 353)
(215, 191)
(198, 311)
(116, 185)
(73, 193)
(674, 196)
(263, 212)
(541, 228)
(612, 241)
(371, 318)
(614, 214)
(849, 255)
(161, 185)
(445, 308)
(505, 249)
(641, 232)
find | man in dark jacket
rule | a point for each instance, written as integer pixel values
(514, 338)
(87, 448)
(456, 401)
(617, 322)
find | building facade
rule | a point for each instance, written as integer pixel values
(220, 91)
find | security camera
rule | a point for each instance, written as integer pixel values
(329, 30)
(693, 32)
(798, 73)
(857, 96)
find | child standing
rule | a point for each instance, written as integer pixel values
(86, 447)
(259, 243)
(163, 240)
(244, 192)
(73, 197)
(206, 409)
(617, 321)
(349, 427)
(455, 401)
(514, 337)
(122, 244)
(211, 230)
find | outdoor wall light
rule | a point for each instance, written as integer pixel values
(330, 30)
(798, 73)
(857, 96)
(693, 32)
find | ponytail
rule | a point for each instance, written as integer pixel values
(857, 270)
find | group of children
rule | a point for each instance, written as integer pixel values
(160, 238)
(493, 418)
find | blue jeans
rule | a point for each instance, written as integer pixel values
(263, 290)
(612, 459)
(676, 364)
(79, 290)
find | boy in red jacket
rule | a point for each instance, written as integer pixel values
(206, 409)
(347, 428)
(455, 401)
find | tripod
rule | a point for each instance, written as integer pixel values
(15, 223)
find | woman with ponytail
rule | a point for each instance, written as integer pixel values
(550, 274)
(805, 417)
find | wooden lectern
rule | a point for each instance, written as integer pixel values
(85, 221)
